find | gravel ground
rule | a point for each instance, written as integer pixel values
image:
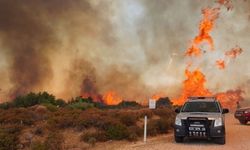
(237, 137)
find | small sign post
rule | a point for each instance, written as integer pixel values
(152, 104)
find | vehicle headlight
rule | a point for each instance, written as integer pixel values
(178, 121)
(218, 122)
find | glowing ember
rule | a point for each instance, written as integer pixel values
(234, 52)
(111, 98)
(220, 64)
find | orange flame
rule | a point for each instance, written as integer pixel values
(111, 98)
(220, 64)
(95, 97)
(194, 85)
(157, 96)
(206, 26)
(230, 98)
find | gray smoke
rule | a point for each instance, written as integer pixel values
(135, 48)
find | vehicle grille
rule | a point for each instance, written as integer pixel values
(197, 127)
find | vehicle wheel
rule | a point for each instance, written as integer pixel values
(243, 121)
(221, 140)
(178, 139)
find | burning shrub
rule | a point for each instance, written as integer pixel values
(54, 141)
(117, 132)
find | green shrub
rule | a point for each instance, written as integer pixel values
(117, 132)
(81, 105)
(129, 104)
(50, 107)
(32, 99)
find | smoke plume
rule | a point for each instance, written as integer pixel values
(135, 48)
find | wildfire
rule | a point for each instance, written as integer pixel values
(220, 64)
(157, 96)
(206, 26)
(230, 97)
(111, 98)
(194, 85)
(233, 53)
(95, 97)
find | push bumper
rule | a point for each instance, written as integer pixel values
(181, 131)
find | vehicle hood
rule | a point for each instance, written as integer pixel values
(210, 116)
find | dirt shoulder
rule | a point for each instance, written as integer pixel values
(237, 137)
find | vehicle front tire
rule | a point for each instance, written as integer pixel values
(243, 121)
(221, 140)
(178, 139)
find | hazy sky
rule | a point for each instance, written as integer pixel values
(133, 47)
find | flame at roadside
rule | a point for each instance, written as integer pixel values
(194, 85)
(111, 98)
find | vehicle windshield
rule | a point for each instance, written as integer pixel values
(201, 107)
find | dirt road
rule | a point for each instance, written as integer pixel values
(237, 138)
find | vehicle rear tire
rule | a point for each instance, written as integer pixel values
(243, 121)
(221, 140)
(178, 139)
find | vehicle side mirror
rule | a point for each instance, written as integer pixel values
(177, 110)
(224, 111)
